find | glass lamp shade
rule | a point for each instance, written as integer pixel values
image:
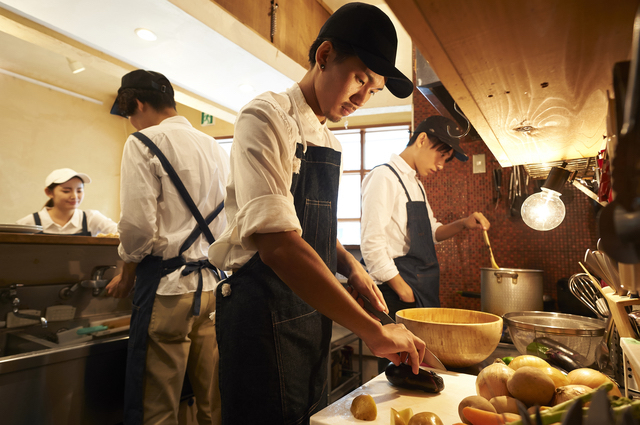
(543, 210)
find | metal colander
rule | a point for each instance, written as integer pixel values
(581, 334)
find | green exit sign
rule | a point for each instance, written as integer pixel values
(207, 119)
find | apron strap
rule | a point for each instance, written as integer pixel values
(403, 186)
(178, 184)
(36, 218)
(195, 233)
(85, 228)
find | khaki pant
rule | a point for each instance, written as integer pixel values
(178, 343)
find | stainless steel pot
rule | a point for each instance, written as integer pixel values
(506, 290)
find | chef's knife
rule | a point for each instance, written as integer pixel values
(429, 357)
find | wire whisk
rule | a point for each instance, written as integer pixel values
(583, 288)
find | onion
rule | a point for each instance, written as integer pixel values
(569, 392)
(559, 379)
(592, 379)
(492, 380)
(527, 360)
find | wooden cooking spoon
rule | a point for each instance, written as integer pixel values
(486, 240)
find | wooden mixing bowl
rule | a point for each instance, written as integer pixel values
(459, 338)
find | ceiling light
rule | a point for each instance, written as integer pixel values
(75, 66)
(146, 34)
(246, 88)
(544, 210)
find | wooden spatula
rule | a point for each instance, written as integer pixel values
(486, 240)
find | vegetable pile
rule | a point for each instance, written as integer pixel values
(504, 392)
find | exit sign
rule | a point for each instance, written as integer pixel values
(207, 119)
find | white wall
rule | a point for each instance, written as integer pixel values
(41, 130)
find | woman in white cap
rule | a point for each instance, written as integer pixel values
(61, 215)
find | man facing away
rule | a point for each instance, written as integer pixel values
(173, 182)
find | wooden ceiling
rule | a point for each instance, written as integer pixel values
(534, 77)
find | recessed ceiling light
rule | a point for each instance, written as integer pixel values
(146, 34)
(75, 66)
(246, 88)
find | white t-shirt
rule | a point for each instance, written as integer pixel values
(96, 223)
(263, 162)
(154, 218)
(384, 230)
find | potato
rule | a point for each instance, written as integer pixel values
(504, 404)
(364, 408)
(531, 386)
(425, 418)
(559, 379)
(402, 417)
(474, 401)
(527, 360)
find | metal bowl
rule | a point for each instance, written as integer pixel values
(581, 334)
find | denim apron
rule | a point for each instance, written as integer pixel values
(148, 274)
(419, 266)
(84, 232)
(273, 346)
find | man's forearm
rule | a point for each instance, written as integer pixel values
(447, 231)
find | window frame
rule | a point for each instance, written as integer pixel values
(364, 171)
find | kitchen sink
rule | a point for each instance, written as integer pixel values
(78, 382)
(13, 343)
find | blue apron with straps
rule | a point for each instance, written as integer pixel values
(148, 274)
(84, 232)
(273, 346)
(419, 266)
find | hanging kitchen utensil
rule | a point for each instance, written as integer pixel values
(519, 190)
(497, 185)
(586, 291)
(486, 241)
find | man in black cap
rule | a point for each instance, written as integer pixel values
(274, 313)
(172, 175)
(398, 229)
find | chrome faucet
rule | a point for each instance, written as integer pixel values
(97, 283)
(12, 295)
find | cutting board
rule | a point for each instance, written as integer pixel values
(115, 325)
(445, 404)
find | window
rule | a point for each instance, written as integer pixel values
(225, 143)
(362, 150)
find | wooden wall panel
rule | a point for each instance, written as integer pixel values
(531, 75)
(297, 23)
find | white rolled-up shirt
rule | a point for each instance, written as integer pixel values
(263, 162)
(384, 224)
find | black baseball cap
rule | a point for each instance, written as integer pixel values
(145, 80)
(371, 34)
(446, 130)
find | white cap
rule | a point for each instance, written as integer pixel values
(63, 175)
